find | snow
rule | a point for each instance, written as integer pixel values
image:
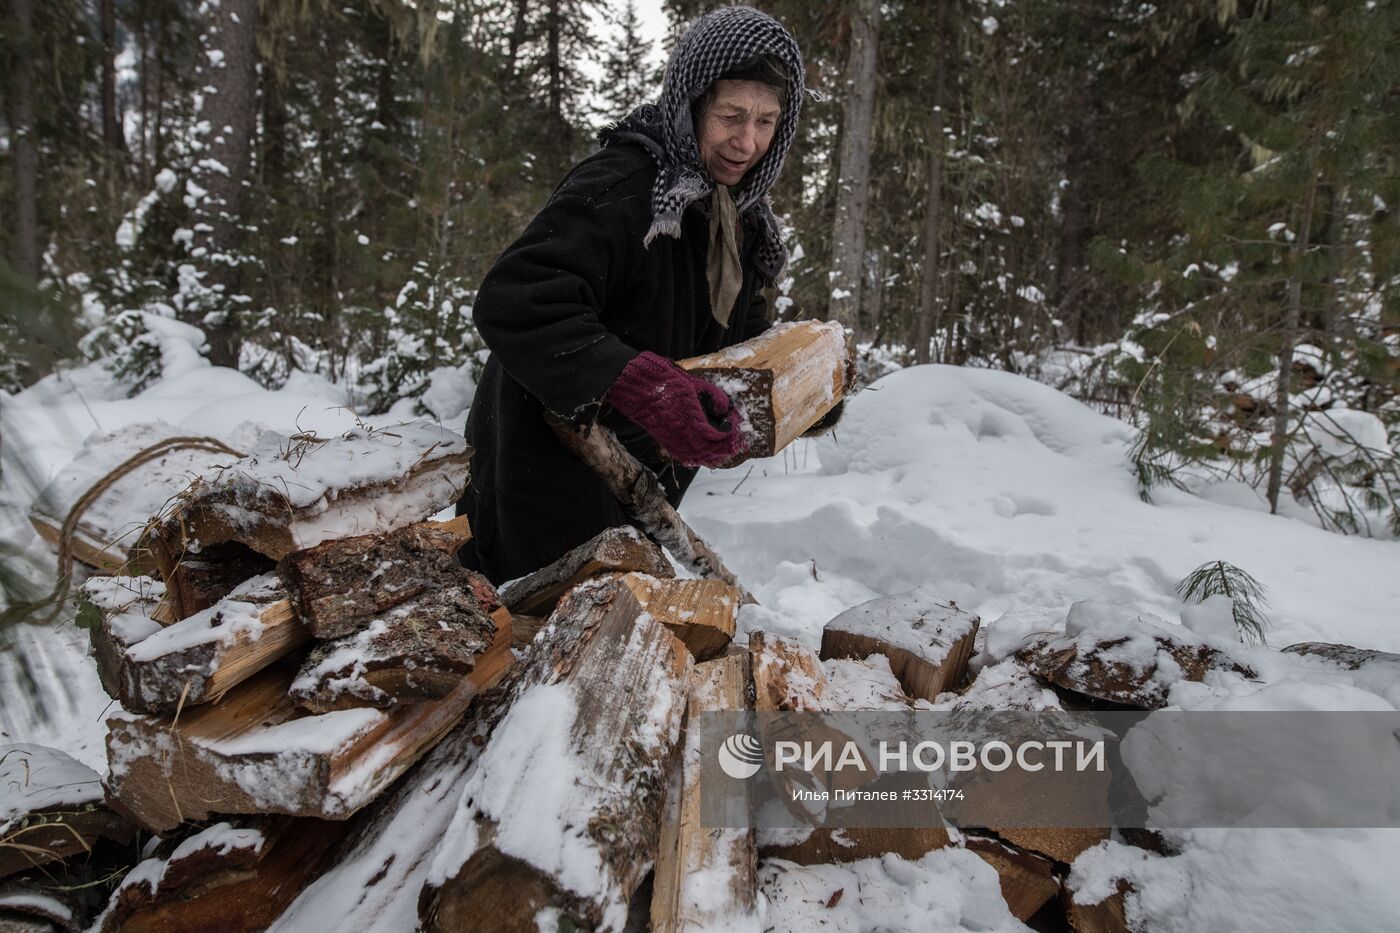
(35, 778)
(991, 490)
(237, 617)
(947, 890)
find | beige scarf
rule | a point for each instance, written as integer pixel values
(722, 267)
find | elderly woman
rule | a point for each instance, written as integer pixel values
(651, 250)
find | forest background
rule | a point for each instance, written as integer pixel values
(1183, 214)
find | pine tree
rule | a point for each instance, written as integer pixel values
(628, 78)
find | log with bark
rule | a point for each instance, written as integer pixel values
(227, 878)
(51, 808)
(200, 580)
(560, 817)
(1124, 665)
(339, 584)
(196, 660)
(118, 612)
(292, 494)
(614, 550)
(927, 640)
(256, 752)
(705, 878)
(418, 650)
(782, 382)
(109, 527)
(644, 498)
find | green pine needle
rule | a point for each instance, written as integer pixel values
(1218, 578)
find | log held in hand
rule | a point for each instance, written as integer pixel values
(642, 495)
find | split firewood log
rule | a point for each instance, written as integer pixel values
(705, 878)
(927, 640)
(57, 899)
(109, 527)
(781, 381)
(200, 580)
(292, 494)
(51, 808)
(256, 752)
(197, 659)
(1028, 881)
(561, 816)
(615, 550)
(339, 584)
(417, 650)
(1109, 915)
(118, 612)
(788, 677)
(703, 614)
(224, 877)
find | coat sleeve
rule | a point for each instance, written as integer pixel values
(540, 308)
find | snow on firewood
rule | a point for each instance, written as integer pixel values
(196, 659)
(290, 494)
(1126, 658)
(421, 649)
(112, 523)
(34, 779)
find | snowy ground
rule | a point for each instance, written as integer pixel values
(1002, 494)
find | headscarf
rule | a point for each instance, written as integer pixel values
(715, 44)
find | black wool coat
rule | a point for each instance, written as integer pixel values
(563, 310)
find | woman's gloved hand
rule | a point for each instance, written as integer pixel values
(691, 419)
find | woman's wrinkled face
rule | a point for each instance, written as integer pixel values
(737, 128)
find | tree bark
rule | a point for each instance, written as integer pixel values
(24, 154)
(930, 292)
(1290, 340)
(853, 188)
(227, 74)
(554, 24)
(112, 132)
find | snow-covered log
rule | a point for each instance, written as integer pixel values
(295, 494)
(561, 816)
(225, 877)
(616, 550)
(51, 808)
(1028, 881)
(198, 659)
(118, 612)
(701, 613)
(781, 381)
(926, 639)
(110, 526)
(1127, 663)
(786, 676)
(339, 584)
(418, 650)
(256, 752)
(705, 879)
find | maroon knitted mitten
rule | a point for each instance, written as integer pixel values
(692, 419)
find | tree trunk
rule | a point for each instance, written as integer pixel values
(930, 293)
(25, 156)
(112, 132)
(227, 74)
(853, 189)
(554, 24)
(517, 35)
(1290, 340)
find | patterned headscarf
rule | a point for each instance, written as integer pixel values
(718, 42)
